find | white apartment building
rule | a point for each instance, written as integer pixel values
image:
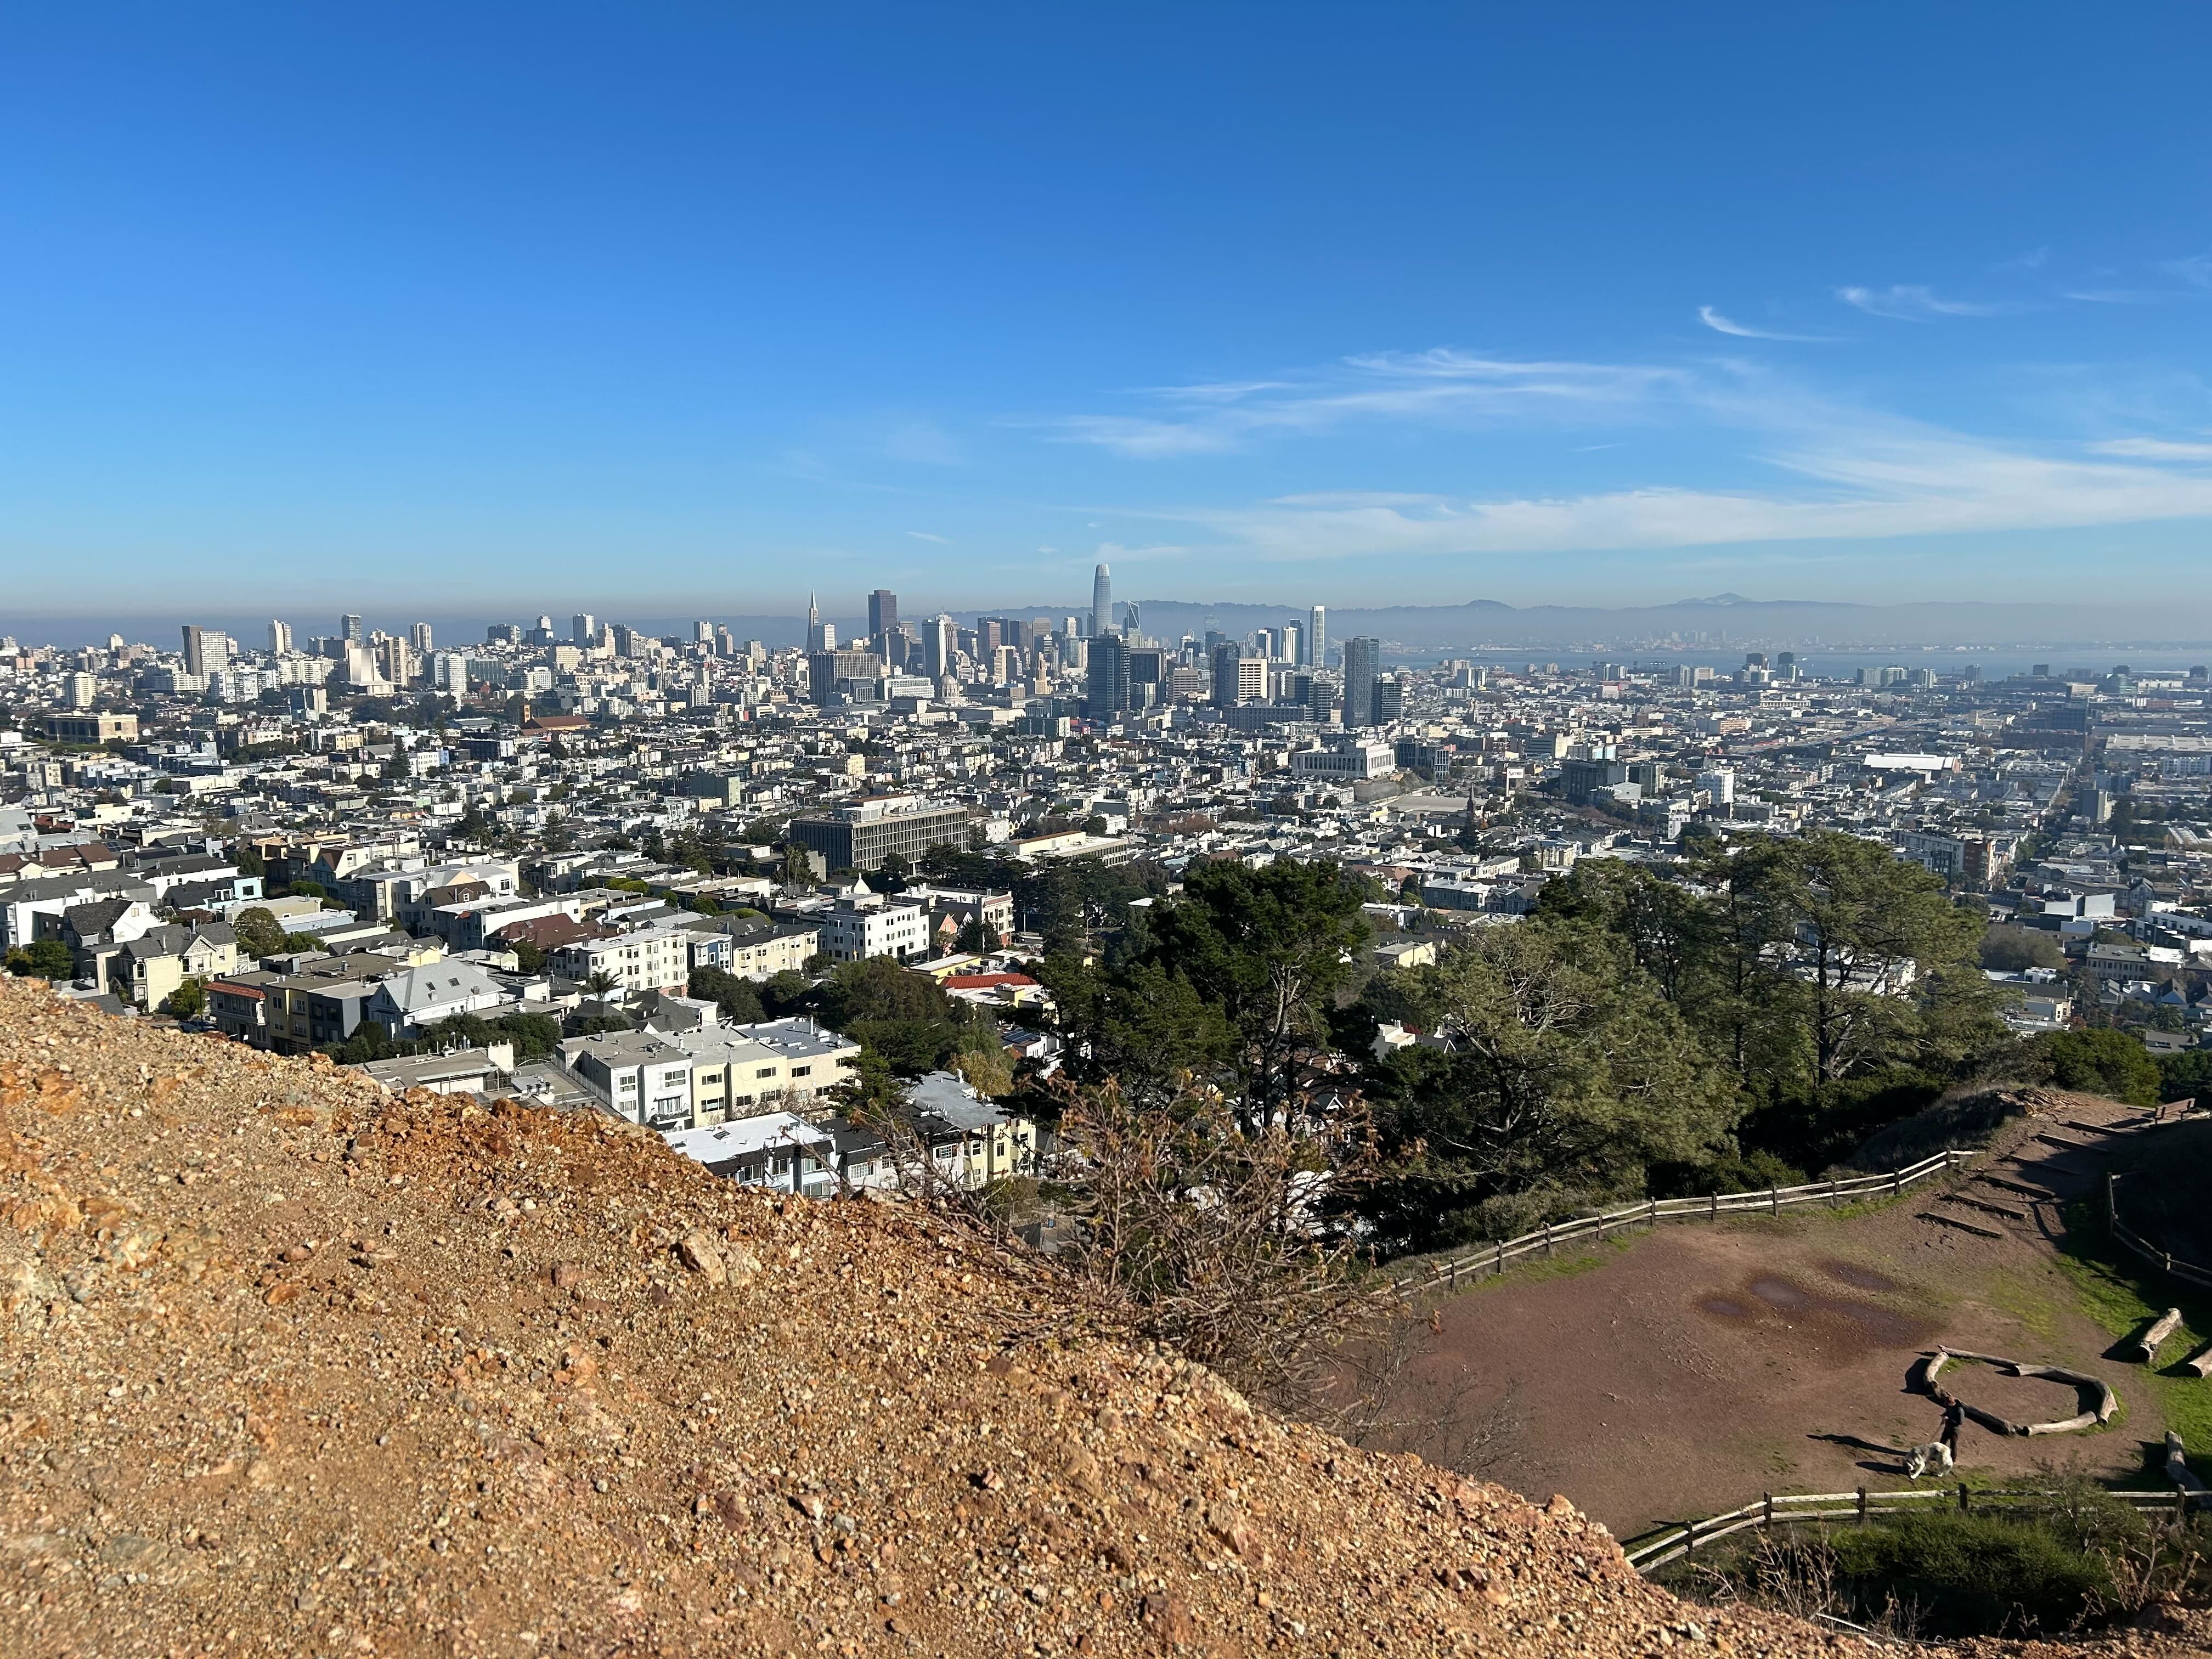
(647, 959)
(740, 1071)
(643, 1076)
(1351, 761)
(852, 931)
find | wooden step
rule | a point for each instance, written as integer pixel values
(1964, 1226)
(2061, 1141)
(2042, 1195)
(2008, 1214)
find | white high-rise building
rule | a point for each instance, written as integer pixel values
(1317, 638)
(279, 638)
(418, 637)
(1101, 600)
(583, 628)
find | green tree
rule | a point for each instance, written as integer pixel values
(44, 959)
(896, 875)
(2103, 1063)
(259, 932)
(1868, 939)
(187, 1001)
(1567, 1076)
(528, 958)
(975, 938)
(2012, 950)
(1269, 948)
(903, 1016)
(738, 999)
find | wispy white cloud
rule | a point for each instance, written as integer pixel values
(2195, 270)
(925, 536)
(2154, 449)
(1911, 302)
(1822, 470)
(1441, 384)
(1720, 324)
(1871, 486)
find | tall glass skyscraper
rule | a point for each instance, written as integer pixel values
(1363, 666)
(1317, 638)
(1102, 601)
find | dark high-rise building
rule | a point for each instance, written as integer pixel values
(350, 629)
(1363, 661)
(883, 613)
(1106, 689)
(1389, 701)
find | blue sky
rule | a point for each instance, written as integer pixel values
(667, 309)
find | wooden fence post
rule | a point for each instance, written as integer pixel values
(1774, 1200)
(1715, 1210)
(1454, 1277)
(1896, 1182)
(1547, 1238)
(2112, 1209)
(1766, 1513)
(1501, 1255)
(1690, 1538)
(1833, 1190)
(1965, 1504)
(1862, 1506)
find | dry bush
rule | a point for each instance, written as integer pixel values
(1224, 1244)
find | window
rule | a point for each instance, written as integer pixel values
(765, 1070)
(802, 1070)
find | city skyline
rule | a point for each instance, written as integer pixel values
(589, 326)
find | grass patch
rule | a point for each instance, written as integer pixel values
(1583, 1256)
(2121, 1294)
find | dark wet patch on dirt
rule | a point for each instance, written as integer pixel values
(1839, 1319)
(1781, 1295)
(1858, 1278)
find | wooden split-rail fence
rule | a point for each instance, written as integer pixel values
(1547, 1240)
(1655, 1549)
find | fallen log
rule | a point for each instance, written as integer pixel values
(2167, 1324)
(2107, 1402)
(2201, 1361)
(2176, 1465)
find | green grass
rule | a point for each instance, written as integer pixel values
(2122, 1294)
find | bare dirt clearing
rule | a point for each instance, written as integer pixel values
(1702, 1365)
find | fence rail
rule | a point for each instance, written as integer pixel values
(1773, 1201)
(1655, 1550)
(2174, 1265)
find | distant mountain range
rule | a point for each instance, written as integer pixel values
(1722, 619)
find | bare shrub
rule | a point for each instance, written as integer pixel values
(1221, 1239)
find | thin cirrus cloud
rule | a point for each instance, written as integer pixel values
(1721, 324)
(925, 536)
(2154, 449)
(1834, 471)
(1909, 302)
(1863, 487)
(1437, 387)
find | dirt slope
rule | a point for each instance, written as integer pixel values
(290, 1365)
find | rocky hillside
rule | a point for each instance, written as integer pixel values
(291, 1365)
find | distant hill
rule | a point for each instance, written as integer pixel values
(1722, 619)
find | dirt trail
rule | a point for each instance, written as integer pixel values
(1702, 1365)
